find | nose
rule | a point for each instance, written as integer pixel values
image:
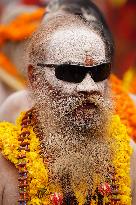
(87, 86)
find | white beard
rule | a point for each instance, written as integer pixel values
(77, 151)
(78, 160)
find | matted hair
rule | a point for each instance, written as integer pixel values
(90, 13)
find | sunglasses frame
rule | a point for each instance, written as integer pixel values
(88, 69)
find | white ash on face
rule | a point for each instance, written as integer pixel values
(73, 116)
(73, 44)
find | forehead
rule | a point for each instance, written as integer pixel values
(74, 43)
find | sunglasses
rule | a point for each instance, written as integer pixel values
(76, 73)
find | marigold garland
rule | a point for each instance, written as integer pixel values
(124, 106)
(38, 171)
(121, 160)
(22, 27)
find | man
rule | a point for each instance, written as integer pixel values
(69, 61)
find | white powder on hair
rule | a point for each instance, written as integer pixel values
(74, 44)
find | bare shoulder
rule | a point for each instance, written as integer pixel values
(13, 105)
(8, 182)
(133, 172)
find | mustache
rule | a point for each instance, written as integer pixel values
(92, 99)
(70, 104)
(88, 102)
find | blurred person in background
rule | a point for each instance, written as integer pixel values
(12, 68)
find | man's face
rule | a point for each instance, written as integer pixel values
(76, 48)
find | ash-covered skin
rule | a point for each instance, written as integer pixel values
(73, 116)
(62, 45)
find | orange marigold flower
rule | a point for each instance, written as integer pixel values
(124, 106)
(22, 27)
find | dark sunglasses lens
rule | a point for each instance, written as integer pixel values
(70, 73)
(101, 72)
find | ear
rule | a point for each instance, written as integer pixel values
(31, 75)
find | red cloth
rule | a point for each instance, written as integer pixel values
(123, 25)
